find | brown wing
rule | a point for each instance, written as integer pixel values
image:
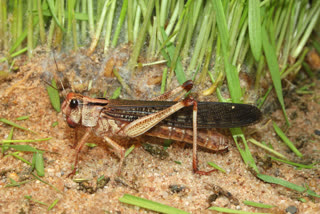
(210, 114)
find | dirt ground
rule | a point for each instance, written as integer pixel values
(168, 180)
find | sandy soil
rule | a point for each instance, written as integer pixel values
(144, 175)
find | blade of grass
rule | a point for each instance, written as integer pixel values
(274, 69)
(34, 200)
(120, 22)
(231, 71)
(297, 50)
(254, 26)
(151, 205)
(316, 45)
(26, 117)
(15, 154)
(175, 58)
(308, 70)
(54, 95)
(202, 38)
(300, 166)
(122, 82)
(5, 146)
(170, 49)
(128, 151)
(39, 165)
(30, 28)
(23, 148)
(25, 140)
(17, 184)
(296, 66)
(256, 204)
(54, 124)
(116, 93)
(216, 167)
(141, 37)
(41, 22)
(245, 154)
(15, 125)
(267, 148)
(130, 21)
(109, 21)
(164, 78)
(274, 180)
(286, 140)
(53, 204)
(96, 36)
(37, 177)
(52, 10)
(91, 145)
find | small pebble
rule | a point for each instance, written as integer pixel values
(291, 210)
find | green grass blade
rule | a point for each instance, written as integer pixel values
(53, 204)
(15, 125)
(52, 10)
(256, 204)
(272, 62)
(128, 151)
(254, 25)
(163, 81)
(310, 166)
(122, 82)
(216, 167)
(26, 117)
(286, 140)
(116, 93)
(141, 37)
(151, 205)
(245, 154)
(25, 140)
(38, 178)
(267, 148)
(274, 180)
(39, 165)
(308, 31)
(15, 154)
(120, 23)
(34, 200)
(54, 95)
(5, 145)
(17, 184)
(231, 71)
(316, 45)
(221, 22)
(170, 49)
(23, 148)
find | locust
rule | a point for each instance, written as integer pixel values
(183, 119)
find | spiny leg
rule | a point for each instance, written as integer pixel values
(118, 150)
(75, 141)
(78, 149)
(195, 137)
(142, 125)
(186, 86)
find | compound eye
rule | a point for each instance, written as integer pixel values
(73, 103)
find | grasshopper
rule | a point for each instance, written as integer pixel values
(178, 120)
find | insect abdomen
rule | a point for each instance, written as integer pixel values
(208, 139)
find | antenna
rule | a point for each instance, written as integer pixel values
(55, 61)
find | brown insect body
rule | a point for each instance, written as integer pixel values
(164, 119)
(102, 113)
